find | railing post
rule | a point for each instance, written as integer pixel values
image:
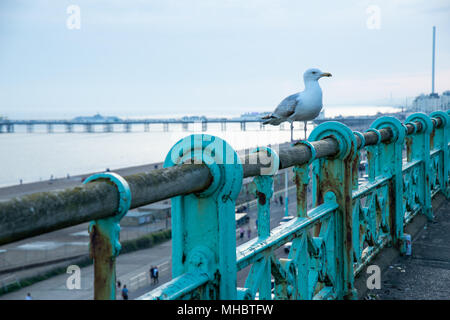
(336, 174)
(263, 189)
(302, 178)
(260, 273)
(373, 168)
(357, 160)
(418, 148)
(104, 244)
(388, 163)
(203, 224)
(441, 139)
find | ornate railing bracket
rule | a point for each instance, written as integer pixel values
(104, 239)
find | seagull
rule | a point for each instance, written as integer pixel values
(301, 106)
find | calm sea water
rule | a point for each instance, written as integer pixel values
(39, 155)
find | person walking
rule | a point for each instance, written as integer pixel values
(156, 274)
(152, 274)
(125, 292)
(249, 232)
(28, 297)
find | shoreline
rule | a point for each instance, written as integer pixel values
(18, 190)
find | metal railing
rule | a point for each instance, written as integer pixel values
(331, 242)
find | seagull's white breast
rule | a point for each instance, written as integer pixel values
(309, 103)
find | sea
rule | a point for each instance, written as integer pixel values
(39, 156)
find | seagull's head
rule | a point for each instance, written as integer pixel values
(314, 74)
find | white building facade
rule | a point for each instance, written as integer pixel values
(432, 102)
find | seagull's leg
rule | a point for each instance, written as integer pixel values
(292, 131)
(286, 177)
(306, 122)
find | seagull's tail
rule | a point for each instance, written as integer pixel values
(271, 119)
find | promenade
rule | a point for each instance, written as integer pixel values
(425, 274)
(132, 269)
(62, 183)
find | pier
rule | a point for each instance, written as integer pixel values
(9, 126)
(70, 126)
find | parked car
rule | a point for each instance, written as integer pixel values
(241, 219)
(286, 219)
(287, 247)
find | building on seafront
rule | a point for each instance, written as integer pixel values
(431, 102)
(97, 118)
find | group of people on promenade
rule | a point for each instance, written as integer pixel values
(242, 232)
(124, 290)
(154, 274)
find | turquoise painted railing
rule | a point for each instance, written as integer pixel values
(347, 225)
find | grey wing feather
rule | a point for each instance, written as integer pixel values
(287, 107)
(284, 110)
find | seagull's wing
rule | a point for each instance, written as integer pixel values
(284, 110)
(287, 107)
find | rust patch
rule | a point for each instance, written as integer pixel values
(317, 227)
(362, 232)
(408, 149)
(261, 198)
(355, 170)
(433, 133)
(318, 193)
(104, 264)
(392, 203)
(301, 195)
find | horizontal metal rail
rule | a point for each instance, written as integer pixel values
(42, 212)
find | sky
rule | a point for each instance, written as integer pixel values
(177, 57)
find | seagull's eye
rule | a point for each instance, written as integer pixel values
(314, 72)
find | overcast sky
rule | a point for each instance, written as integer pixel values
(135, 57)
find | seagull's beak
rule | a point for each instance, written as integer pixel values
(325, 74)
